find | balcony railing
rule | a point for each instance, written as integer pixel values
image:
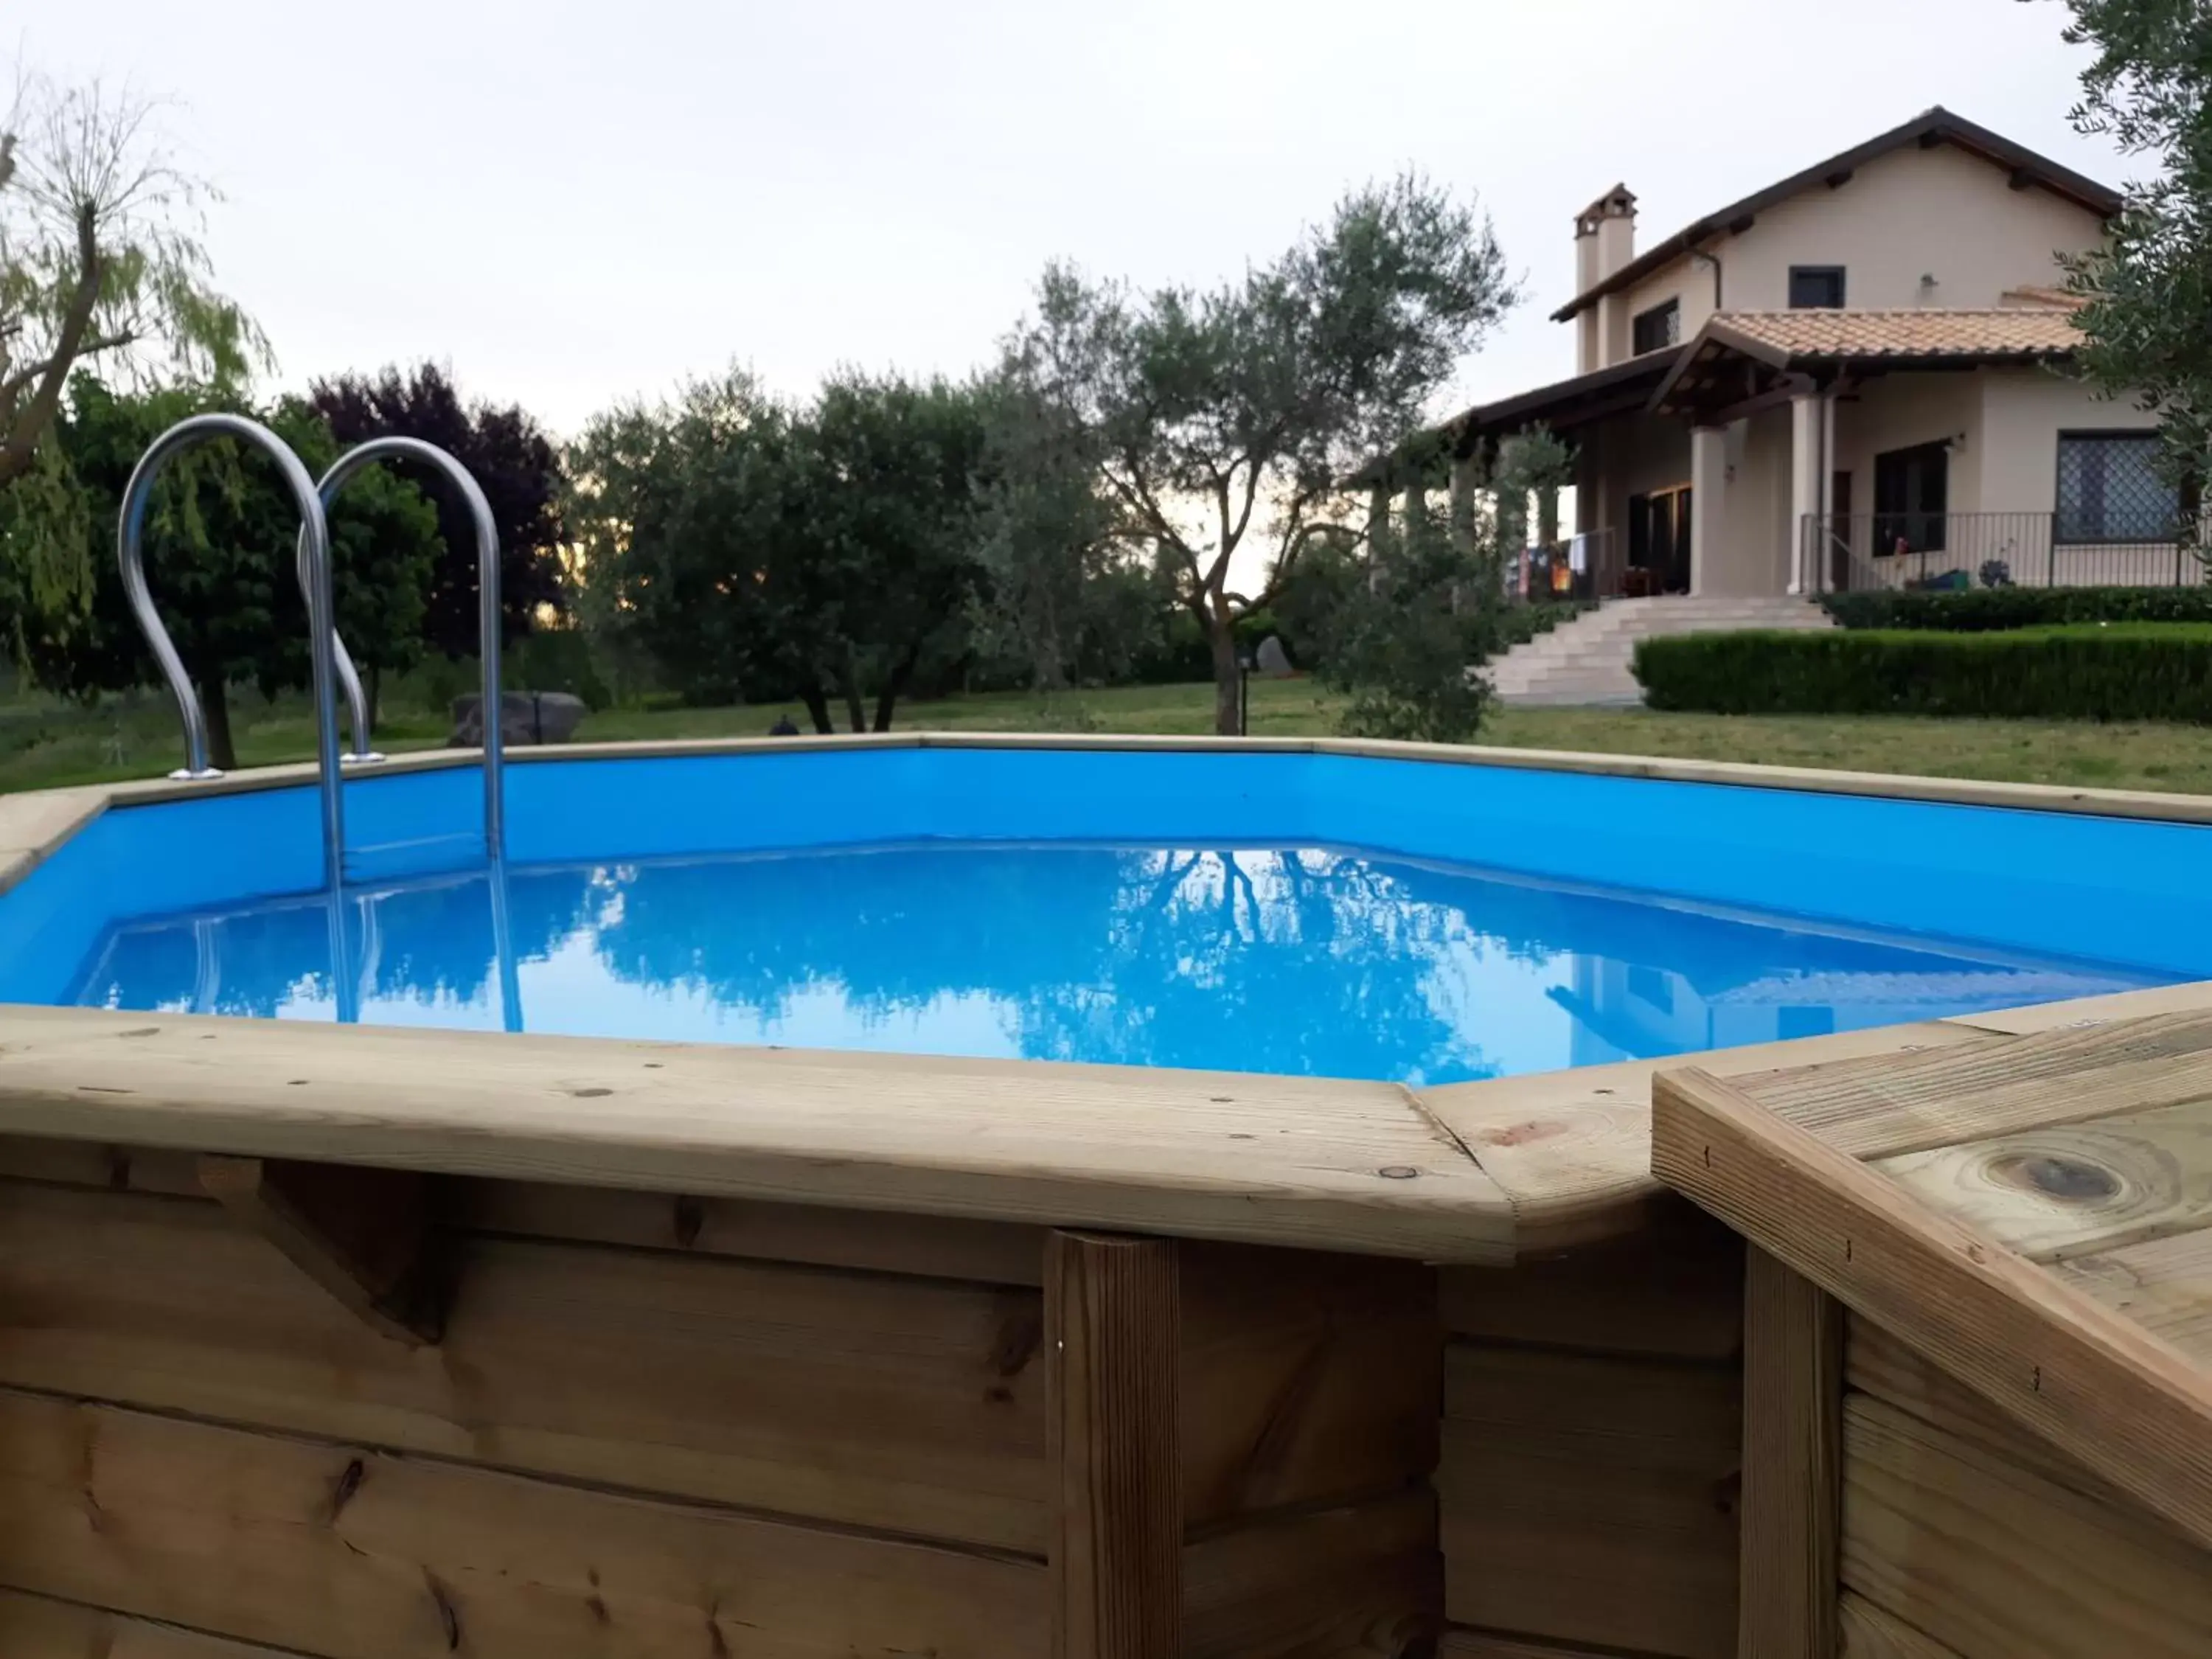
(1853, 552)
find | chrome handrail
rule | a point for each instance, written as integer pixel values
(348, 676)
(488, 606)
(315, 545)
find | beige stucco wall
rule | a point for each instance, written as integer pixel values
(1914, 212)
(1898, 411)
(2023, 412)
(1748, 545)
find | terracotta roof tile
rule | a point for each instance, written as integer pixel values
(2017, 331)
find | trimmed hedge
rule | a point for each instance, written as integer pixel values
(1973, 610)
(2148, 671)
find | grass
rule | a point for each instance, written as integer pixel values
(44, 744)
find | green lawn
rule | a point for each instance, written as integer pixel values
(42, 744)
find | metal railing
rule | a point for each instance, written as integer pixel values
(1854, 552)
(314, 558)
(326, 653)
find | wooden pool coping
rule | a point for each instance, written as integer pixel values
(1483, 1172)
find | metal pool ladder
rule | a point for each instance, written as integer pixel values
(333, 667)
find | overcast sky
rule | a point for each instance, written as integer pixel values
(572, 205)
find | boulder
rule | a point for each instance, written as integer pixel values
(525, 717)
(1274, 661)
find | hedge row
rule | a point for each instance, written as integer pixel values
(1973, 610)
(2107, 673)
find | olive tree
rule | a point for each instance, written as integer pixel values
(1224, 419)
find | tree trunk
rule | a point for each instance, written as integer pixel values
(1228, 706)
(817, 708)
(214, 703)
(848, 684)
(894, 687)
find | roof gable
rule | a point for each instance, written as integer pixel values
(1935, 127)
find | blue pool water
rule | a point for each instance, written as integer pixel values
(1289, 913)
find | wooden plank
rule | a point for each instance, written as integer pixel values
(2164, 1286)
(1867, 1632)
(1592, 1500)
(2090, 1011)
(341, 1551)
(365, 1236)
(89, 1164)
(1112, 1338)
(1572, 1150)
(1675, 1289)
(37, 1627)
(1995, 1561)
(1882, 1107)
(1483, 1644)
(912, 1405)
(1359, 1581)
(936, 1247)
(1303, 1378)
(1793, 1388)
(1311, 1162)
(2071, 1188)
(2056, 1362)
(1877, 1363)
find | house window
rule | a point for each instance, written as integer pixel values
(1912, 494)
(2109, 490)
(1816, 288)
(1658, 328)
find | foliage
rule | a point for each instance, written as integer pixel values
(1066, 594)
(759, 551)
(1412, 630)
(1971, 610)
(514, 463)
(2149, 289)
(220, 561)
(1224, 421)
(2101, 672)
(100, 261)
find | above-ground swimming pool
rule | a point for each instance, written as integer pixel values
(1316, 914)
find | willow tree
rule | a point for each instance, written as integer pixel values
(101, 267)
(1224, 419)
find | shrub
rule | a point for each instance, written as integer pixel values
(2100, 671)
(1998, 606)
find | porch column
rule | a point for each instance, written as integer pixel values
(1808, 415)
(1708, 491)
(1378, 517)
(1466, 474)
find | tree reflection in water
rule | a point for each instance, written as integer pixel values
(1297, 960)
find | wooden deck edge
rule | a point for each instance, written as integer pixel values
(2095, 1385)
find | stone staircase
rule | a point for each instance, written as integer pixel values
(1585, 661)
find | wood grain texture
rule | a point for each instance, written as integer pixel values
(1867, 1632)
(912, 1405)
(1113, 1333)
(89, 1164)
(1573, 1150)
(1793, 1390)
(1885, 1106)
(1877, 1363)
(348, 1554)
(1997, 1563)
(2067, 1189)
(1303, 1378)
(2090, 1011)
(1278, 1160)
(2059, 1363)
(1674, 1288)
(1359, 1582)
(937, 1247)
(364, 1237)
(2164, 1286)
(1591, 1500)
(37, 1627)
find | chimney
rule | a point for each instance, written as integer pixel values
(1605, 241)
